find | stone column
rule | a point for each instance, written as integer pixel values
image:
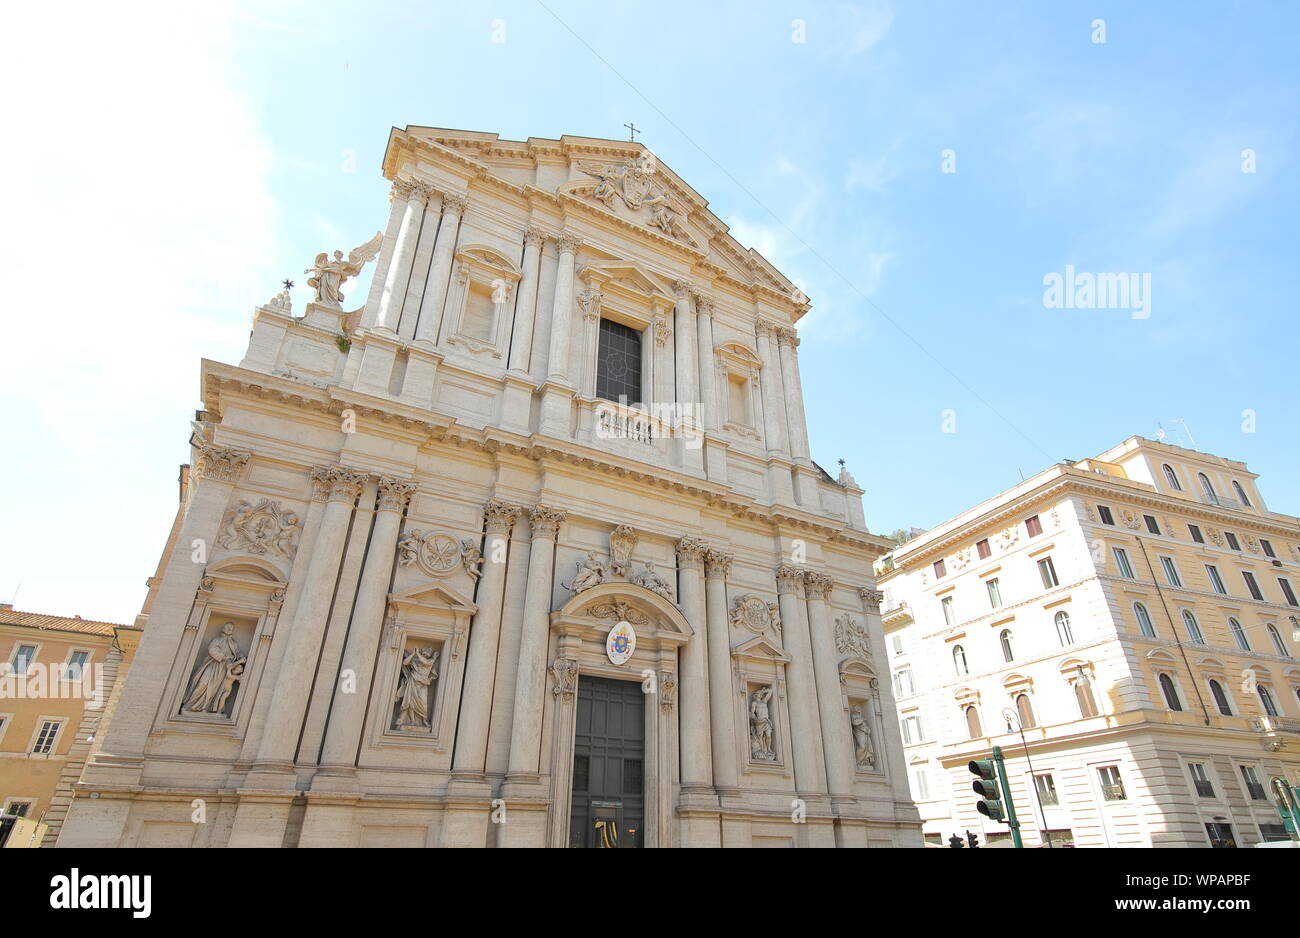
(837, 742)
(706, 366)
(795, 417)
(399, 270)
(484, 637)
(722, 704)
(525, 735)
(347, 716)
(684, 337)
(521, 342)
(773, 408)
(696, 758)
(444, 251)
(557, 363)
(800, 683)
(293, 682)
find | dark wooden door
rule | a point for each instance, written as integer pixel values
(608, 805)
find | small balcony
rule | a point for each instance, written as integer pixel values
(1113, 792)
(1222, 501)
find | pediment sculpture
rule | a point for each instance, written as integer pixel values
(262, 528)
(590, 572)
(649, 579)
(632, 183)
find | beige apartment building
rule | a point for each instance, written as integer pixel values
(526, 548)
(56, 685)
(1136, 615)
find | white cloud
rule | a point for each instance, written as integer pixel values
(867, 27)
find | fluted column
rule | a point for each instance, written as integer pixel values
(484, 637)
(526, 733)
(773, 407)
(696, 761)
(796, 419)
(399, 269)
(444, 251)
(557, 364)
(347, 716)
(837, 744)
(521, 342)
(684, 337)
(293, 682)
(721, 712)
(801, 683)
(706, 367)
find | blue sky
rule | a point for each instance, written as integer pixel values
(173, 165)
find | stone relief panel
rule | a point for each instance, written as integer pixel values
(851, 637)
(440, 554)
(264, 527)
(756, 615)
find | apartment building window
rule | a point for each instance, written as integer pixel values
(1046, 787)
(1104, 514)
(1204, 787)
(76, 665)
(1215, 580)
(1193, 628)
(1171, 572)
(1047, 570)
(904, 685)
(1170, 692)
(1121, 561)
(948, 614)
(995, 595)
(1144, 620)
(1195, 531)
(1005, 639)
(1266, 698)
(16, 808)
(1252, 585)
(959, 661)
(1232, 540)
(1033, 526)
(1267, 547)
(23, 656)
(45, 738)
(940, 570)
(1241, 493)
(1083, 696)
(1238, 633)
(1063, 631)
(912, 730)
(618, 362)
(1172, 478)
(1152, 527)
(973, 728)
(1025, 710)
(1207, 488)
(1277, 640)
(896, 640)
(1254, 788)
(1220, 698)
(1112, 786)
(1273, 832)
(982, 548)
(1287, 593)
(1295, 629)
(920, 785)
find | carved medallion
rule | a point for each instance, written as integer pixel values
(438, 554)
(750, 612)
(264, 528)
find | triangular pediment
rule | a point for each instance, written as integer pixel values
(760, 647)
(626, 276)
(433, 596)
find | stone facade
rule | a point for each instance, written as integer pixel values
(983, 639)
(414, 525)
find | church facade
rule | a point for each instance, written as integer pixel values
(526, 550)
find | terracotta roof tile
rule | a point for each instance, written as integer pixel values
(37, 620)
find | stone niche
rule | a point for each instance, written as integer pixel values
(219, 667)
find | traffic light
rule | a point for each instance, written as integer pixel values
(986, 786)
(955, 842)
(972, 839)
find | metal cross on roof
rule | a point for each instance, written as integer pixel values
(633, 130)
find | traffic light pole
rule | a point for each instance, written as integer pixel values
(1006, 794)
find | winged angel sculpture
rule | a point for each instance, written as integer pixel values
(329, 275)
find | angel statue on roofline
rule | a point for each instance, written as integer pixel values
(328, 275)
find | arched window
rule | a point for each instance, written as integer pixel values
(1144, 620)
(1171, 693)
(973, 722)
(1025, 711)
(1063, 628)
(1173, 478)
(1277, 640)
(1266, 698)
(1083, 694)
(1295, 629)
(1193, 628)
(1238, 634)
(1206, 487)
(1241, 493)
(1220, 698)
(959, 660)
(1005, 638)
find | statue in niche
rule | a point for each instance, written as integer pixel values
(418, 672)
(591, 572)
(863, 751)
(328, 275)
(213, 681)
(760, 726)
(651, 580)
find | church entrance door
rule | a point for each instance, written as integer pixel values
(608, 804)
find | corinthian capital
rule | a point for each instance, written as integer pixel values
(345, 485)
(762, 328)
(703, 304)
(787, 337)
(500, 517)
(221, 463)
(683, 288)
(789, 579)
(690, 553)
(407, 189)
(871, 599)
(394, 494)
(455, 204)
(534, 236)
(546, 521)
(718, 563)
(569, 244)
(819, 585)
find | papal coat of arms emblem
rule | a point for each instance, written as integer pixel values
(620, 643)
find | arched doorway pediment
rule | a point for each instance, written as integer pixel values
(654, 617)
